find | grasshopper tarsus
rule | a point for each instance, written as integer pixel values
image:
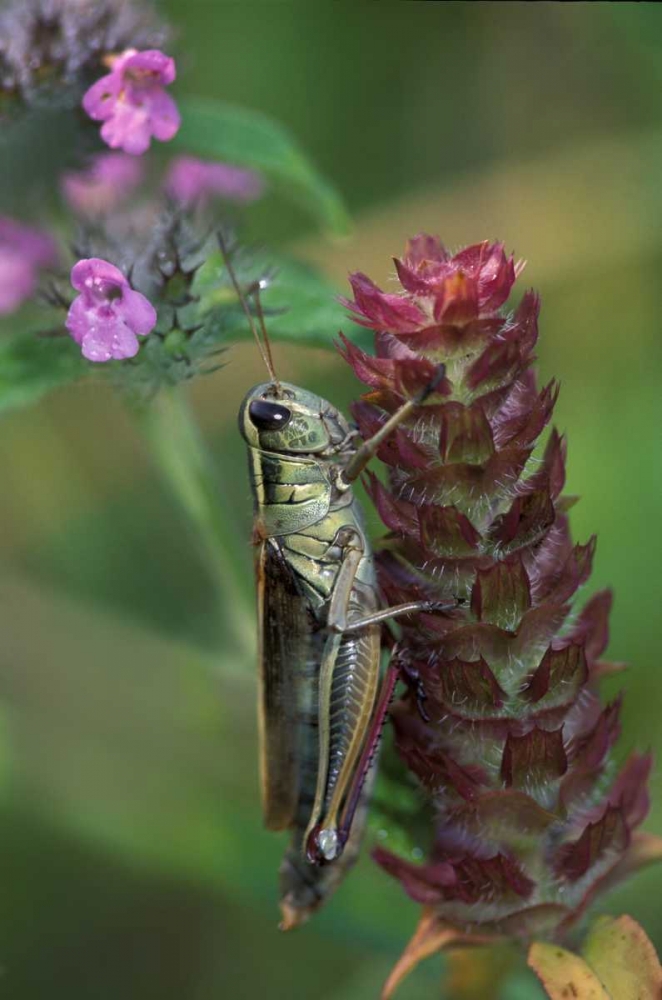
(433, 384)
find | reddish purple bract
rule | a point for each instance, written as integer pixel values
(502, 722)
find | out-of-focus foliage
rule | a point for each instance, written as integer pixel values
(134, 862)
(223, 132)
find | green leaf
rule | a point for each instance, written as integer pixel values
(31, 366)
(249, 139)
(299, 305)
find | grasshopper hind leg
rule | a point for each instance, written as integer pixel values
(305, 887)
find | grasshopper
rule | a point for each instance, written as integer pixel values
(320, 707)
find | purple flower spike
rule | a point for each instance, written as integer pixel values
(132, 103)
(109, 179)
(23, 250)
(192, 181)
(105, 318)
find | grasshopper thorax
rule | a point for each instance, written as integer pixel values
(284, 418)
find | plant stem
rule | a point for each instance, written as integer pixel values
(478, 973)
(178, 450)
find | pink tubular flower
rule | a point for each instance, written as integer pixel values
(192, 181)
(23, 250)
(109, 179)
(132, 103)
(105, 318)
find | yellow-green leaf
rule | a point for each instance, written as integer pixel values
(564, 975)
(624, 958)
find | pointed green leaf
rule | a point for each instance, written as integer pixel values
(248, 139)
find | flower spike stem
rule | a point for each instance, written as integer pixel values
(184, 463)
(478, 973)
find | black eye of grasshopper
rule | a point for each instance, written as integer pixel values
(268, 416)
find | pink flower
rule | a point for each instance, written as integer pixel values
(109, 179)
(132, 103)
(105, 318)
(190, 181)
(23, 250)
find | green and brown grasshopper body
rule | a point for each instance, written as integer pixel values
(320, 705)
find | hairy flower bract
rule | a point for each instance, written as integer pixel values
(502, 723)
(107, 316)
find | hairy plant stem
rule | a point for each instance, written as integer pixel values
(181, 456)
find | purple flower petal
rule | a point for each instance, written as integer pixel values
(128, 129)
(95, 346)
(113, 336)
(150, 62)
(99, 100)
(132, 103)
(33, 244)
(138, 312)
(77, 321)
(124, 343)
(164, 116)
(109, 179)
(23, 250)
(91, 273)
(192, 180)
(107, 316)
(112, 340)
(17, 280)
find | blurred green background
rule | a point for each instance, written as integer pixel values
(133, 862)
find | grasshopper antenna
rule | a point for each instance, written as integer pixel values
(263, 346)
(265, 335)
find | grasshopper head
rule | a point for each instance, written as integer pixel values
(289, 419)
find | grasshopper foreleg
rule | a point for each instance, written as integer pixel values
(368, 449)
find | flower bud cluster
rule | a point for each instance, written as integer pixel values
(52, 50)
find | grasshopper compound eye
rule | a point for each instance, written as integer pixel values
(268, 416)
